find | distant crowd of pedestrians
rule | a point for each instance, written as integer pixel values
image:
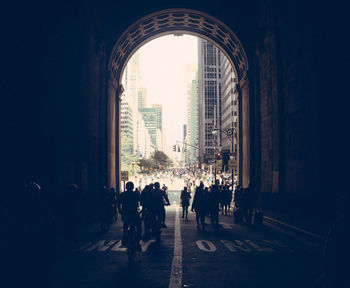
(209, 201)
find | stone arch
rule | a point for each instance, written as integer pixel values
(165, 22)
(171, 21)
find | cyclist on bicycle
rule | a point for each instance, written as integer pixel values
(128, 205)
(156, 205)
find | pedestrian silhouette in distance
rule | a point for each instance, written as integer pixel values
(185, 201)
(199, 205)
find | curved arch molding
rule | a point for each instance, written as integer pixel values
(177, 21)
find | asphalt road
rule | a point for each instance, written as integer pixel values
(236, 255)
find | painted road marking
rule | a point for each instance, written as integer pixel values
(257, 247)
(110, 245)
(206, 245)
(278, 243)
(102, 245)
(176, 266)
(241, 246)
(117, 247)
(144, 245)
(82, 246)
(226, 226)
(229, 245)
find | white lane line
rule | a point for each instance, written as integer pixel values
(176, 267)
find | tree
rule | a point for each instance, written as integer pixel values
(161, 160)
(146, 164)
(127, 155)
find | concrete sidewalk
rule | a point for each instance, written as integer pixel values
(306, 228)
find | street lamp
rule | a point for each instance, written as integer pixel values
(229, 132)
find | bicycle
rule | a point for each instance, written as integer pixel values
(132, 240)
(155, 223)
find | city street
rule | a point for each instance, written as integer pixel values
(236, 255)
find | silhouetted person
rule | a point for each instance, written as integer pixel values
(185, 201)
(156, 208)
(247, 199)
(214, 201)
(165, 188)
(221, 199)
(229, 195)
(129, 203)
(165, 202)
(114, 203)
(226, 198)
(199, 205)
(237, 196)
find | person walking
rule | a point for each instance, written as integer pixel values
(227, 197)
(185, 201)
(214, 202)
(199, 205)
(247, 202)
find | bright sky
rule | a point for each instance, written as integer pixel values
(164, 72)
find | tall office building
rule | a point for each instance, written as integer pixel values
(229, 109)
(159, 112)
(161, 137)
(209, 100)
(149, 116)
(129, 99)
(142, 97)
(192, 121)
(127, 124)
(143, 145)
(132, 124)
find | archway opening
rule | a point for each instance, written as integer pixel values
(179, 114)
(178, 22)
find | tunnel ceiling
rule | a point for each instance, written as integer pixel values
(177, 21)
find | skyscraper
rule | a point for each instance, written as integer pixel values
(143, 145)
(142, 98)
(127, 125)
(129, 97)
(229, 109)
(132, 124)
(192, 121)
(159, 108)
(149, 116)
(209, 100)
